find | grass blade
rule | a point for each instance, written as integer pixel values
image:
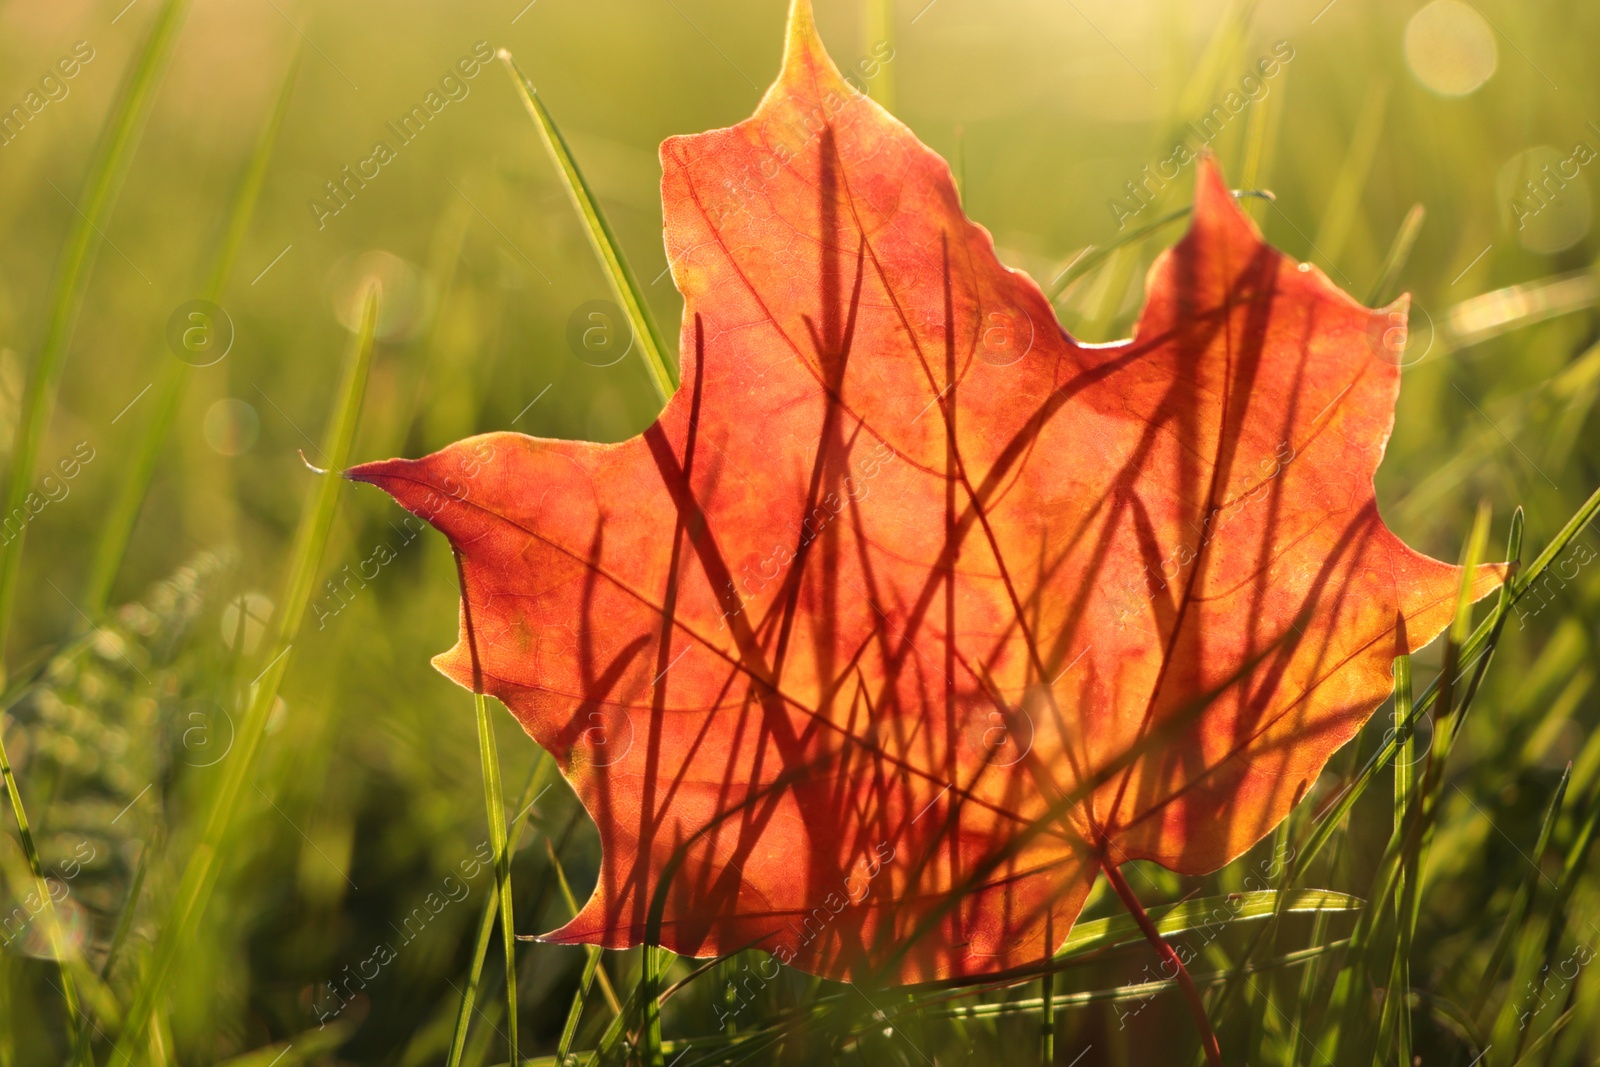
(572, 907)
(878, 29)
(1394, 1025)
(1399, 253)
(1344, 201)
(135, 483)
(1095, 935)
(623, 284)
(1473, 651)
(491, 910)
(311, 537)
(496, 804)
(1521, 902)
(1408, 841)
(113, 154)
(48, 912)
(570, 1029)
(1092, 257)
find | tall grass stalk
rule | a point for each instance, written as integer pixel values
(491, 910)
(663, 376)
(118, 141)
(311, 537)
(495, 802)
(58, 947)
(135, 483)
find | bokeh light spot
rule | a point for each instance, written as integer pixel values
(1450, 48)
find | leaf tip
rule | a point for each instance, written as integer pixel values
(1214, 204)
(802, 44)
(376, 473)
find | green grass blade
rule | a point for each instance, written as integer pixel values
(469, 996)
(495, 802)
(1529, 1057)
(1136, 991)
(134, 485)
(69, 989)
(878, 31)
(1472, 651)
(305, 558)
(1407, 843)
(572, 908)
(1400, 984)
(1521, 901)
(119, 936)
(491, 910)
(1090, 258)
(580, 998)
(113, 154)
(1098, 934)
(1394, 1029)
(654, 966)
(1350, 181)
(623, 284)
(1399, 254)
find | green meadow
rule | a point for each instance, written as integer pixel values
(246, 822)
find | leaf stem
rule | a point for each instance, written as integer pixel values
(1197, 1009)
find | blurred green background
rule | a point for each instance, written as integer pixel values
(366, 795)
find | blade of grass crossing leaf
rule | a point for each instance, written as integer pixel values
(572, 907)
(1136, 991)
(113, 154)
(1095, 256)
(1407, 842)
(623, 284)
(1333, 816)
(495, 802)
(135, 483)
(1399, 253)
(305, 558)
(491, 911)
(1394, 1030)
(1047, 1020)
(69, 990)
(653, 967)
(1400, 987)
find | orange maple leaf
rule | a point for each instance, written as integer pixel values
(911, 614)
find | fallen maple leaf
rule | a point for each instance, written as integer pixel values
(911, 613)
